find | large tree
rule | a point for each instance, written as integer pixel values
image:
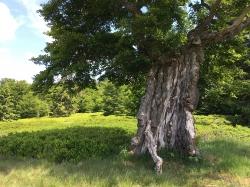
(126, 40)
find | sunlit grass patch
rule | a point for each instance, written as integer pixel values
(224, 159)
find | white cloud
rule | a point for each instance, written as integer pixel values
(8, 24)
(17, 67)
(37, 22)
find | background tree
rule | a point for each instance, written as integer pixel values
(61, 103)
(90, 99)
(225, 79)
(161, 38)
(117, 99)
(18, 101)
(32, 106)
(8, 108)
(108, 98)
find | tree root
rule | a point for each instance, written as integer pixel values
(152, 148)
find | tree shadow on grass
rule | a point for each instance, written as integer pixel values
(238, 120)
(99, 154)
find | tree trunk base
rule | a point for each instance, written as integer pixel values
(165, 116)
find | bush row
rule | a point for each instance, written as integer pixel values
(72, 145)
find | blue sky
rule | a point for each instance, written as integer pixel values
(21, 37)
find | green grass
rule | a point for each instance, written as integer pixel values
(224, 160)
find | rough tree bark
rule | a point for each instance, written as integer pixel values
(165, 116)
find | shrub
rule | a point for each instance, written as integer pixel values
(72, 144)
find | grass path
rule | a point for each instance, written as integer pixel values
(225, 158)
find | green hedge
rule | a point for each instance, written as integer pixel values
(72, 144)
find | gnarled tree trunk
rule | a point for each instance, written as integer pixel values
(165, 116)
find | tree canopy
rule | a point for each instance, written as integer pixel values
(120, 39)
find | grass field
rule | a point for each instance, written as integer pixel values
(224, 160)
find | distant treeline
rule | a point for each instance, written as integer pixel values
(17, 100)
(224, 92)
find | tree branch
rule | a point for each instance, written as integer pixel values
(205, 5)
(238, 24)
(213, 10)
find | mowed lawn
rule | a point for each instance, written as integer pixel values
(224, 159)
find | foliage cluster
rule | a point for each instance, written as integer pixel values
(121, 39)
(61, 102)
(18, 101)
(110, 99)
(225, 79)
